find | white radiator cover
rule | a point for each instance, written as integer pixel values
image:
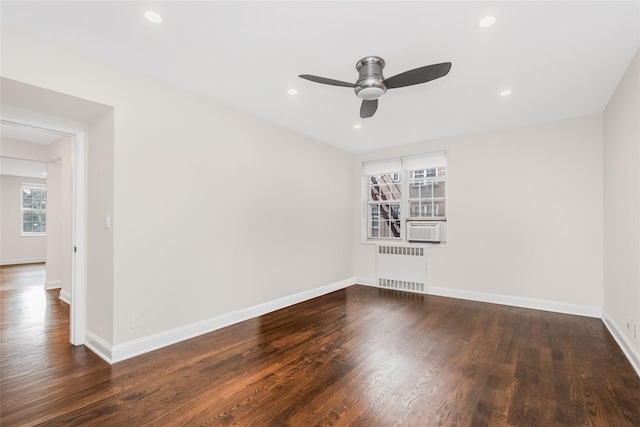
(401, 267)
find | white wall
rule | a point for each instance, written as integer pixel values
(216, 211)
(622, 207)
(525, 213)
(213, 210)
(15, 248)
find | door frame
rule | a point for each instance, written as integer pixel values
(78, 309)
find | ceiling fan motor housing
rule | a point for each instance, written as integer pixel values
(370, 84)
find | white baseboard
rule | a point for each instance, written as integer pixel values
(622, 339)
(22, 261)
(536, 304)
(120, 352)
(53, 284)
(100, 347)
(65, 296)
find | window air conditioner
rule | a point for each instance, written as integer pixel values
(424, 231)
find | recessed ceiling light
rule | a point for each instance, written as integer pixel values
(505, 92)
(44, 174)
(487, 21)
(357, 126)
(292, 92)
(153, 16)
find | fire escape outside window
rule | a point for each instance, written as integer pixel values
(385, 198)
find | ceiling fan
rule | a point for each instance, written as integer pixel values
(371, 84)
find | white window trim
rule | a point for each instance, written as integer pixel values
(36, 186)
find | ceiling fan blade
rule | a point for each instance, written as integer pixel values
(325, 81)
(368, 108)
(418, 75)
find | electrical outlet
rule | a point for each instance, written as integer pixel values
(635, 330)
(135, 321)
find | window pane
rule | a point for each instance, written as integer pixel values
(414, 191)
(426, 190)
(374, 193)
(384, 220)
(26, 198)
(438, 189)
(385, 187)
(414, 209)
(375, 216)
(427, 209)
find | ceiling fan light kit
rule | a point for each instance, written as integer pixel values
(371, 83)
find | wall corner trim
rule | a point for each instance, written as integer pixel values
(623, 342)
(120, 352)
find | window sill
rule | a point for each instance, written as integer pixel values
(405, 244)
(33, 234)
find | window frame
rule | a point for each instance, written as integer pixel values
(397, 180)
(407, 179)
(23, 210)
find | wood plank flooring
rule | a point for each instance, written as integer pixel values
(356, 357)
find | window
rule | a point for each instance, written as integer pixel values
(410, 188)
(385, 196)
(34, 209)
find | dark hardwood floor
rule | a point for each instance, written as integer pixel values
(360, 356)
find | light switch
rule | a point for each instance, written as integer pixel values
(107, 221)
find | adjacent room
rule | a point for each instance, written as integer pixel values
(320, 213)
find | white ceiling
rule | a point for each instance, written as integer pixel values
(560, 59)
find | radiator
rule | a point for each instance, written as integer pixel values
(401, 267)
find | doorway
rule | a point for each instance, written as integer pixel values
(72, 256)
